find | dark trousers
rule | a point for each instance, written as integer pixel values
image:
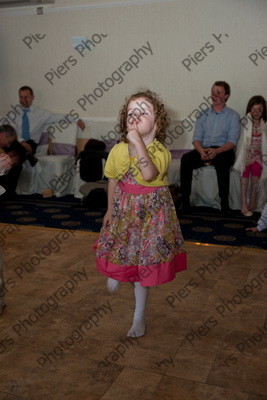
(222, 163)
(10, 180)
(20, 150)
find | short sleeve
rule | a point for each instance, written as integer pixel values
(161, 157)
(234, 128)
(109, 170)
(199, 132)
(118, 161)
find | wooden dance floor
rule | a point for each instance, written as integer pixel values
(64, 337)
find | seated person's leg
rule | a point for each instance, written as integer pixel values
(30, 157)
(189, 162)
(33, 146)
(244, 188)
(10, 181)
(222, 163)
(17, 154)
(16, 149)
(255, 177)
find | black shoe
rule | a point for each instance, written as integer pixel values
(226, 211)
(7, 196)
(32, 160)
(3, 197)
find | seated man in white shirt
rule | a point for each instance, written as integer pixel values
(38, 118)
(30, 124)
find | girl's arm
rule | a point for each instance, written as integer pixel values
(112, 183)
(145, 164)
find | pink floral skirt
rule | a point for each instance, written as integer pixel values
(144, 242)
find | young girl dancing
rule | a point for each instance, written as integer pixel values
(140, 240)
(251, 148)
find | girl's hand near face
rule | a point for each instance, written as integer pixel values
(134, 135)
(141, 126)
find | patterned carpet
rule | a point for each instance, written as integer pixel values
(203, 225)
(207, 225)
(61, 213)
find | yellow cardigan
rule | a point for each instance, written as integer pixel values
(119, 162)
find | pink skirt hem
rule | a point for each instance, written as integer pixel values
(149, 275)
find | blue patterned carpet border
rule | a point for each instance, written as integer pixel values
(202, 225)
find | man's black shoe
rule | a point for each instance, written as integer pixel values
(186, 204)
(226, 211)
(7, 196)
(186, 207)
(4, 197)
(32, 160)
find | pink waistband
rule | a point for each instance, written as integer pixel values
(136, 189)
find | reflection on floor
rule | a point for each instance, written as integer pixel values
(64, 337)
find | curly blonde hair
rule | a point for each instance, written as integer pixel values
(161, 115)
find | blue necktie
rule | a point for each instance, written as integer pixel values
(25, 126)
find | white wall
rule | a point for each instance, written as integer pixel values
(174, 30)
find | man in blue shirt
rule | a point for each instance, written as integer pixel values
(216, 134)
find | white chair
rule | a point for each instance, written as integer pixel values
(205, 191)
(54, 173)
(78, 182)
(82, 188)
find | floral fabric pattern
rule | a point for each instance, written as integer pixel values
(254, 150)
(144, 229)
